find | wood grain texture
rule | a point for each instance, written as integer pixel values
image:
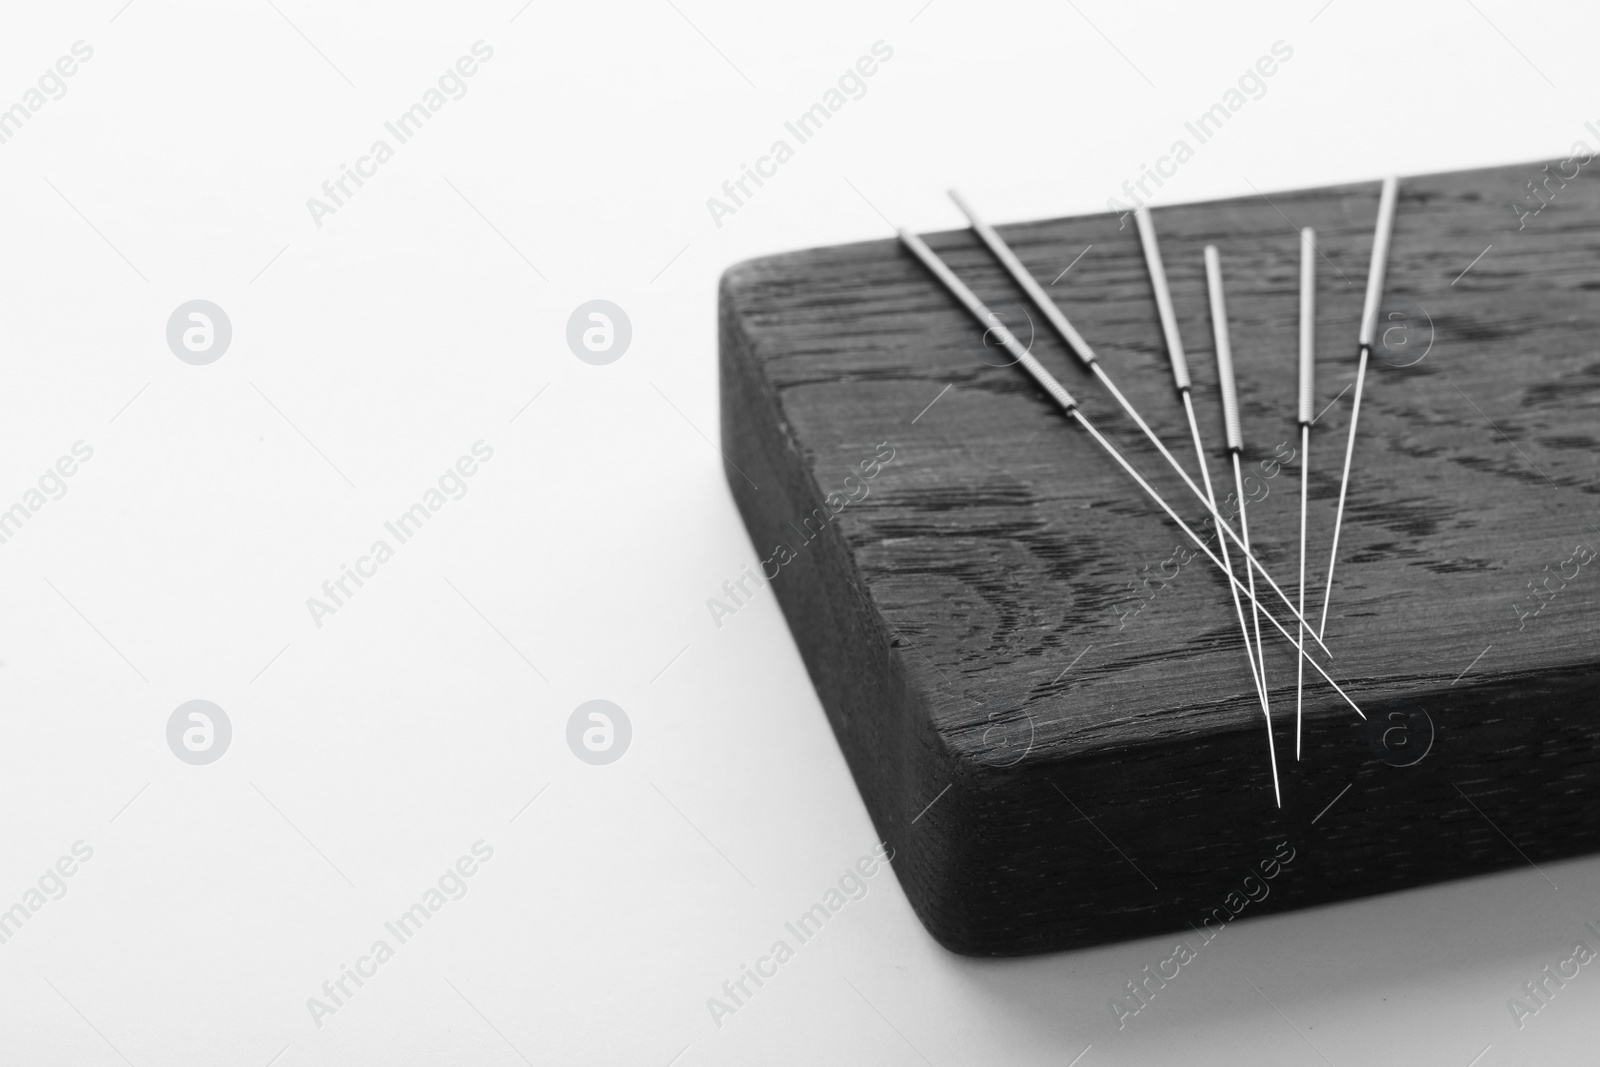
(967, 622)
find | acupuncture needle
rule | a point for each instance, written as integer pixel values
(1308, 340)
(1235, 439)
(1369, 319)
(1235, 436)
(1069, 406)
(1080, 348)
(1180, 378)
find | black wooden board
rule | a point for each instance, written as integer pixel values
(1054, 768)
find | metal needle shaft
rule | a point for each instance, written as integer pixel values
(1244, 527)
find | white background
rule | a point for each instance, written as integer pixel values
(369, 353)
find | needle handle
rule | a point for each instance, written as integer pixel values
(1158, 282)
(1308, 317)
(1219, 331)
(989, 319)
(1380, 259)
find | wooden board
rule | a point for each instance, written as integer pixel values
(1054, 768)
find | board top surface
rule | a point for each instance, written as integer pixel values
(999, 542)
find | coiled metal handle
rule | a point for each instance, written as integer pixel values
(1219, 331)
